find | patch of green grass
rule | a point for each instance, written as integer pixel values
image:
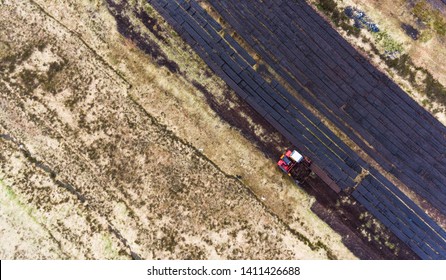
(430, 16)
(9, 191)
(387, 42)
(14, 198)
(109, 251)
(148, 9)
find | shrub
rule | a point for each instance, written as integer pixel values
(430, 16)
(328, 5)
(434, 89)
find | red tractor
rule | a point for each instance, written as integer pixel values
(295, 165)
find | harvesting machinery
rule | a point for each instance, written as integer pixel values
(295, 165)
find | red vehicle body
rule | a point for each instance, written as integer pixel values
(286, 163)
(295, 165)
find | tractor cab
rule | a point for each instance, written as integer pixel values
(288, 160)
(295, 165)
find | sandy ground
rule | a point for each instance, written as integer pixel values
(110, 156)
